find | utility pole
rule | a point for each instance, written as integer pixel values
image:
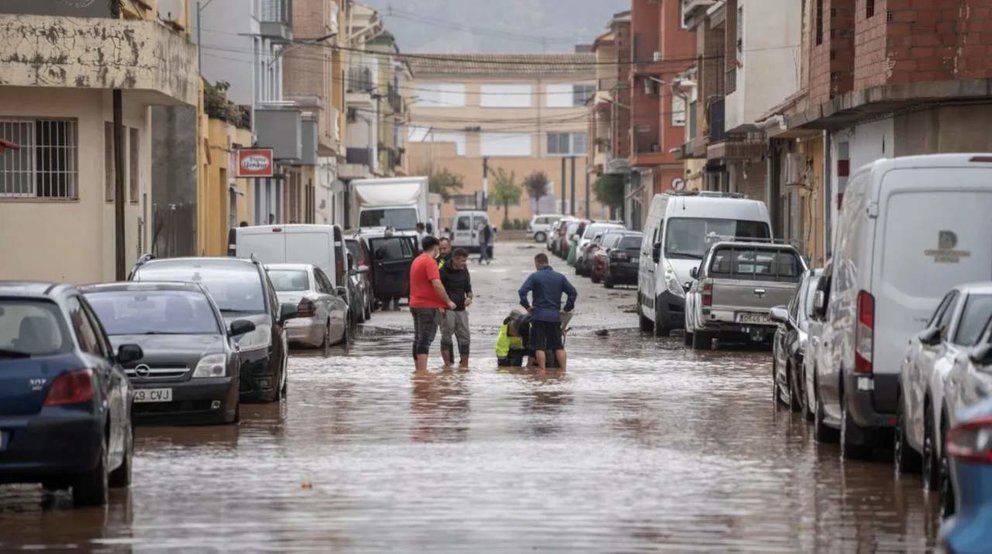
(120, 255)
(199, 36)
(485, 183)
(573, 188)
(563, 185)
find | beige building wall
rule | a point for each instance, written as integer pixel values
(73, 240)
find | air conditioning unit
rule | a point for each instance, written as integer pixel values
(656, 57)
(794, 169)
(172, 12)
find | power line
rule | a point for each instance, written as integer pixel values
(453, 25)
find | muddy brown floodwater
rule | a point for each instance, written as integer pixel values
(642, 446)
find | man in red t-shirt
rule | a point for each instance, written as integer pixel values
(427, 299)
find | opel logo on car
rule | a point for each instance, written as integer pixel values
(142, 370)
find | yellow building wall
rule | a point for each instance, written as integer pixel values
(814, 208)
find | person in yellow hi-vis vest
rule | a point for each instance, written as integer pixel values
(512, 341)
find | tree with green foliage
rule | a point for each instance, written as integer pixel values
(443, 182)
(506, 191)
(537, 188)
(609, 192)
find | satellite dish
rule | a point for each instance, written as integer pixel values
(678, 184)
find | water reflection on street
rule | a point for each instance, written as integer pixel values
(641, 446)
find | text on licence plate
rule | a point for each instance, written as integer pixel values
(752, 318)
(144, 396)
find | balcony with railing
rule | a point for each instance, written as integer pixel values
(276, 20)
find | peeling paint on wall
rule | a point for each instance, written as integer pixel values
(70, 52)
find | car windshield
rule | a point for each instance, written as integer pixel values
(391, 249)
(630, 242)
(289, 280)
(976, 313)
(402, 219)
(756, 262)
(31, 328)
(154, 313)
(690, 237)
(234, 289)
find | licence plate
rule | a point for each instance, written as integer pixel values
(145, 396)
(753, 318)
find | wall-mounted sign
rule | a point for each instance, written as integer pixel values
(255, 162)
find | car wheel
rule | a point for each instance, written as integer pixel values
(236, 418)
(646, 324)
(596, 278)
(360, 317)
(687, 339)
(368, 310)
(346, 336)
(660, 329)
(822, 433)
(931, 467)
(326, 344)
(702, 340)
(608, 281)
(540, 237)
(285, 377)
(795, 392)
(776, 392)
(848, 449)
(121, 477)
(905, 459)
(947, 502)
(91, 488)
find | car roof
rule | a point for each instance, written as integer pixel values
(305, 267)
(143, 286)
(32, 288)
(199, 262)
(752, 244)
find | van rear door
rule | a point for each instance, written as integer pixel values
(312, 246)
(266, 244)
(932, 234)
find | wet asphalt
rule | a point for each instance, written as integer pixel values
(642, 446)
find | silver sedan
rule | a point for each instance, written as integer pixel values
(323, 310)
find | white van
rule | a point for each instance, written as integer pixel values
(541, 224)
(679, 229)
(909, 230)
(466, 230)
(320, 245)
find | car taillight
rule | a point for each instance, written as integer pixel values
(864, 334)
(971, 441)
(707, 292)
(73, 387)
(306, 308)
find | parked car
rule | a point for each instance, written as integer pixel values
(540, 225)
(65, 403)
(679, 229)
(241, 290)
(616, 263)
(361, 273)
(322, 311)
(970, 380)
(955, 326)
(190, 371)
(320, 245)
(592, 230)
(585, 255)
(814, 357)
(790, 343)
(970, 458)
(908, 228)
(738, 285)
(392, 254)
(573, 234)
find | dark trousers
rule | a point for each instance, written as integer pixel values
(424, 329)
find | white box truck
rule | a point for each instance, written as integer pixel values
(399, 203)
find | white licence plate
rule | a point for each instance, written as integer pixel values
(145, 396)
(753, 318)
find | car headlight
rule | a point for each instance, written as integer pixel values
(259, 339)
(212, 365)
(672, 281)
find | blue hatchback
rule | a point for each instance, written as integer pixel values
(969, 449)
(65, 402)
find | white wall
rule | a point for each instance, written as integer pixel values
(866, 143)
(505, 96)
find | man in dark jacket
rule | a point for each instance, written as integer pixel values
(454, 323)
(546, 286)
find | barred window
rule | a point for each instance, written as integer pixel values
(45, 164)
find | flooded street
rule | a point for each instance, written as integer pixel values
(643, 446)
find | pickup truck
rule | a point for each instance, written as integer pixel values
(737, 284)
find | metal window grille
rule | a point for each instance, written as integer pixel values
(45, 165)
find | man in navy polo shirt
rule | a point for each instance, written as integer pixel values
(546, 286)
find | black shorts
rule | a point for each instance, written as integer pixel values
(546, 335)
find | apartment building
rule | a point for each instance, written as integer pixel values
(516, 113)
(82, 128)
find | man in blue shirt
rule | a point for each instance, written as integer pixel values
(546, 287)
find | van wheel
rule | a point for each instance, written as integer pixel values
(905, 459)
(646, 324)
(822, 433)
(931, 465)
(92, 487)
(947, 501)
(121, 477)
(848, 449)
(795, 391)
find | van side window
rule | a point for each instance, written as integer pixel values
(463, 223)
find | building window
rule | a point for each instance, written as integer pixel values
(869, 8)
(505, 144)
(45, 164)
(566, 95)
(505, 96)
(463, 202)
(678, 111)
(108, 162)
(567, 144)
(581, 94)
(819, 21)
(134, 165)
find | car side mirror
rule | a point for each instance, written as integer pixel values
(820, 304)
(982, 355)
(287, 312)
(694, 273)
(341, 292)
(241, 327)
(930, 337)
(779, 314)
(656, 252)
(687, 286)
(128, 353)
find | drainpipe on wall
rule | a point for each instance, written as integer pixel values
(120, 255)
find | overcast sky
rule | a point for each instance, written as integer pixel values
(514, 26)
